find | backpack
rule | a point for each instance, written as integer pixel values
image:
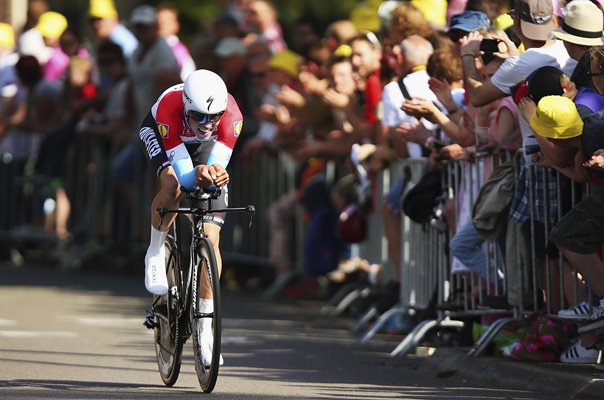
(419, 202)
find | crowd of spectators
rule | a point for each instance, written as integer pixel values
(400, 80)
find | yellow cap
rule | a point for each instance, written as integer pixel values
(102, 9)
(365, 18)
(286, 61)
(7, 36)
(557, 118)
(503, 22)
(343, 50)
(435, 11)
(51, 24)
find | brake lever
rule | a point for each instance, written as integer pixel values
(251, 211)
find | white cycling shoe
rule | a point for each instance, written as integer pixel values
(156, 281)
(207, 344)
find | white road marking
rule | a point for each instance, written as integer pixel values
(8, 322)
(109, 322)
(37, 334)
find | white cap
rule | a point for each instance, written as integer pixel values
(229, 46)
(143, 15)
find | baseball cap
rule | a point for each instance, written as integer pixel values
(286, 61)
(469, 21)
(557, 118)
(102, 9)
(536, 18)
(229, 46)
(544, 81)
(143, 15)
(7, 35)
(51, 24)
(582, 24)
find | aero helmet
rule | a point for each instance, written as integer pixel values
(204, 96)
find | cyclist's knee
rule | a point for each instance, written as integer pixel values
(213, 232)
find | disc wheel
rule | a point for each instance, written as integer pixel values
(207, 277)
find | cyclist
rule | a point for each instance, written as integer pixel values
(189, 136)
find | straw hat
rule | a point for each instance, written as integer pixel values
(582, 24)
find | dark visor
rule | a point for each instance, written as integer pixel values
(204, 118)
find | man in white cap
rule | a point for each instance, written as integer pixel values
(581, 30)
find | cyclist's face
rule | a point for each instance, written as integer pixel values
(202, 130)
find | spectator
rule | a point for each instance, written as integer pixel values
(578, 233)
(261, 17)
(70, 45)
(8, 77)
(338, 33)
(581, 30)
(152, 68)
(104, 18)
(169, 26)
(41, 40)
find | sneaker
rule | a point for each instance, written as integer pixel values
(578, 354)
(207, 344)
(156, 281)
(582, 311)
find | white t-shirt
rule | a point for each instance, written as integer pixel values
(392, 99)
(31, 43)
(516, 69)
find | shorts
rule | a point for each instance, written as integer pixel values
(581, 230)
(393, 199)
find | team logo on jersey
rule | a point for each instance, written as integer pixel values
(163, 130)
(237, 125)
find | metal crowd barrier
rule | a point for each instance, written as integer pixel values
(426, 268)
(107, 215)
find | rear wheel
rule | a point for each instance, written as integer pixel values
(168, 341)
(207, 277)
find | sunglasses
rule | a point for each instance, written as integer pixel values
(202, 118)
(595, 73)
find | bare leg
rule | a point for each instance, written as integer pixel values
(393, 232)
(213, 232)
(590, 266)
(167, 197)
(63, 211)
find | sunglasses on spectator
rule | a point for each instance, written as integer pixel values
(202, 118)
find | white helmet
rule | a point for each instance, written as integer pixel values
(204, 95)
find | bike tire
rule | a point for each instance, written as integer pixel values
(168, 338)
(207, 268)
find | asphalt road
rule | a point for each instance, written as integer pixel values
(79, 335)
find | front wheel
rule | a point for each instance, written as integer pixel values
(207, 279)
(167, 309)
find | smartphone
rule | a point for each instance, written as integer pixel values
(492, 46)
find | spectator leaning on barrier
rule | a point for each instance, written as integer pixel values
(579, 232)
(533, 23)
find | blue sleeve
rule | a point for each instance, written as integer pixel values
(186, 173)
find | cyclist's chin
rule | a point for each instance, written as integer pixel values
(203, 135)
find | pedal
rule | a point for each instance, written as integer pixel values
(150, 320)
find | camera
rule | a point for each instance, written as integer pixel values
(492, 46)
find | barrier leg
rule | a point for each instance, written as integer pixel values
(412, 340)
(364, 319)
(349, 299)
(487, 337)
(333, 302)
(396, 310)
(279, 284)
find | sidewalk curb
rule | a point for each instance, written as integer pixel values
(541, 378)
